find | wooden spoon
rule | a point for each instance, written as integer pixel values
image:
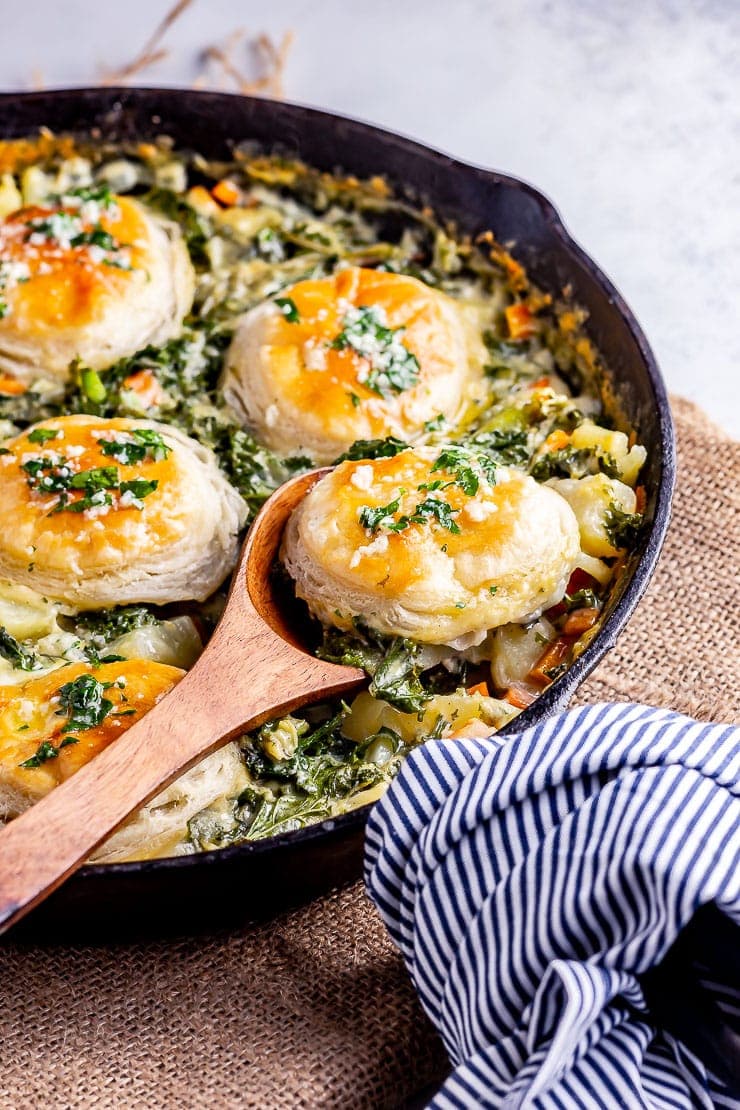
(252, 669)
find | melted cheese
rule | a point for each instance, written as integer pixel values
(66, 296)
(505, 553)
(302, 385)
(175, 543)
(30, 714)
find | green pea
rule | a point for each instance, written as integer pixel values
(92, 386)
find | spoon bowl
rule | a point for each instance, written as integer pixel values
(253, 668)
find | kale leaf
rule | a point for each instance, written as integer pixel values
(623, 529)
(391, 662)
(108, 624)
(373, 449)
(22, 658)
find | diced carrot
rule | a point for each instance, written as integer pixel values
(146, 387)
(519, 695)
(541, 383)
(11, 386)
(226, 192)
(557, 440)
(552, 657)
(579, 621)
(479, 688)
(519, 321)
(640, 499)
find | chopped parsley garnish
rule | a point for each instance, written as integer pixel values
(440, 510)
(384, 516)
(83, 702)
(135, 446)
(465, 466)
(393, 367)
(55, 475)
(289, 309)
(68, 230)
(97, 237)
(97, 478)
(139, 487)
(3, 309)
(43, 435)
(47, 751)
(436, 423)
(98, 194)
(22, 658)
(493, 590)
(48, 475)
(60, 226)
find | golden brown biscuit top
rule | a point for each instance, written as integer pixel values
(361, 338)
(52, 725)
(60, 265)
(395, 512)
(116, 483)
(434, 543)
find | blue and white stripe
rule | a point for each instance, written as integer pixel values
(529, 882)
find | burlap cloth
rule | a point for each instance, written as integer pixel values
(315, 1009)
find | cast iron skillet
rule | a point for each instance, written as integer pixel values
(254, 880)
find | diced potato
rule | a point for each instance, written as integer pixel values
(36, 186)
(369, 715)
(244, 223)
(10, 195)
(25, 614)
(590, 499)
(595, 567)
(175, 642)
(73, 174)
(202, 202)
(629, 460)
(215, 249)
(120, 175)
(171, 175)
(516, 649)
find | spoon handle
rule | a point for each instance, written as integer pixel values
(234, 687)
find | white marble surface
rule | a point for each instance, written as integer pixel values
(626, 113)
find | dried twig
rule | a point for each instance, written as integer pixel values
(271, 59)
(152, 52)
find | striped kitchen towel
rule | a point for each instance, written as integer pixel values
(534, 884)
